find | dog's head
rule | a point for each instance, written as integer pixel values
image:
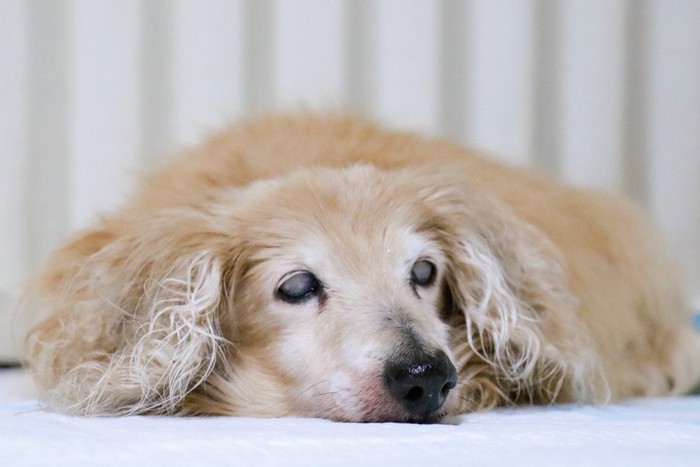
(336, 293)
(337, 309)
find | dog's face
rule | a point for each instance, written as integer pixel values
(337, 310)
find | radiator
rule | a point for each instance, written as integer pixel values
(603, 93)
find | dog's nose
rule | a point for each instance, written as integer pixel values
(422, 382)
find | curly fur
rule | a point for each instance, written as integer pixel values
(543, 293)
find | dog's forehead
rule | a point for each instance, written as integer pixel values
(350, 216)
(321, 241)
(361, 200)
(391, 242)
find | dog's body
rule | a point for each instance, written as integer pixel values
(321, 266)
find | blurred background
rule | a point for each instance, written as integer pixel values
(602, 93)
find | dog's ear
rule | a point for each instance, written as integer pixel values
(508, 283)
(134, 304)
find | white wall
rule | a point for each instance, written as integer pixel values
(605, 93)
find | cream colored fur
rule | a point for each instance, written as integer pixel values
(544, 293)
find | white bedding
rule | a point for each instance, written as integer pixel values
(642, 432)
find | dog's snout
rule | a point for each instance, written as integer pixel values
(421, 383)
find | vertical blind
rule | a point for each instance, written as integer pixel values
(603, 93)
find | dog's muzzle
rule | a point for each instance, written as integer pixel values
(420, 382)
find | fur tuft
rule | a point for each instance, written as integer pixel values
(174, 344)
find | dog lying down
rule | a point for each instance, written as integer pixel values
(323, 267)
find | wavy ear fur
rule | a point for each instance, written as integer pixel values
(519, 324)
(134, 314)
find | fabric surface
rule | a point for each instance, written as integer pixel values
(659, 432)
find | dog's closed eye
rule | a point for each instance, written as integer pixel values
(300, 287)
(423, 273)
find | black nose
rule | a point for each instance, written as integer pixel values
(421, 382)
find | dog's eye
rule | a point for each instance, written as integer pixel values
(300, 287)
(423, 273)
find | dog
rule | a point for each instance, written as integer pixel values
(320, 266)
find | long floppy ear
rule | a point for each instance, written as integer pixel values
(519, 323)
(134, 306)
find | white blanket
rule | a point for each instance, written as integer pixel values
(658, 432)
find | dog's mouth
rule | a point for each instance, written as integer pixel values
(394, 414)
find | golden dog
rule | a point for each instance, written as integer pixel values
(320, 266)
